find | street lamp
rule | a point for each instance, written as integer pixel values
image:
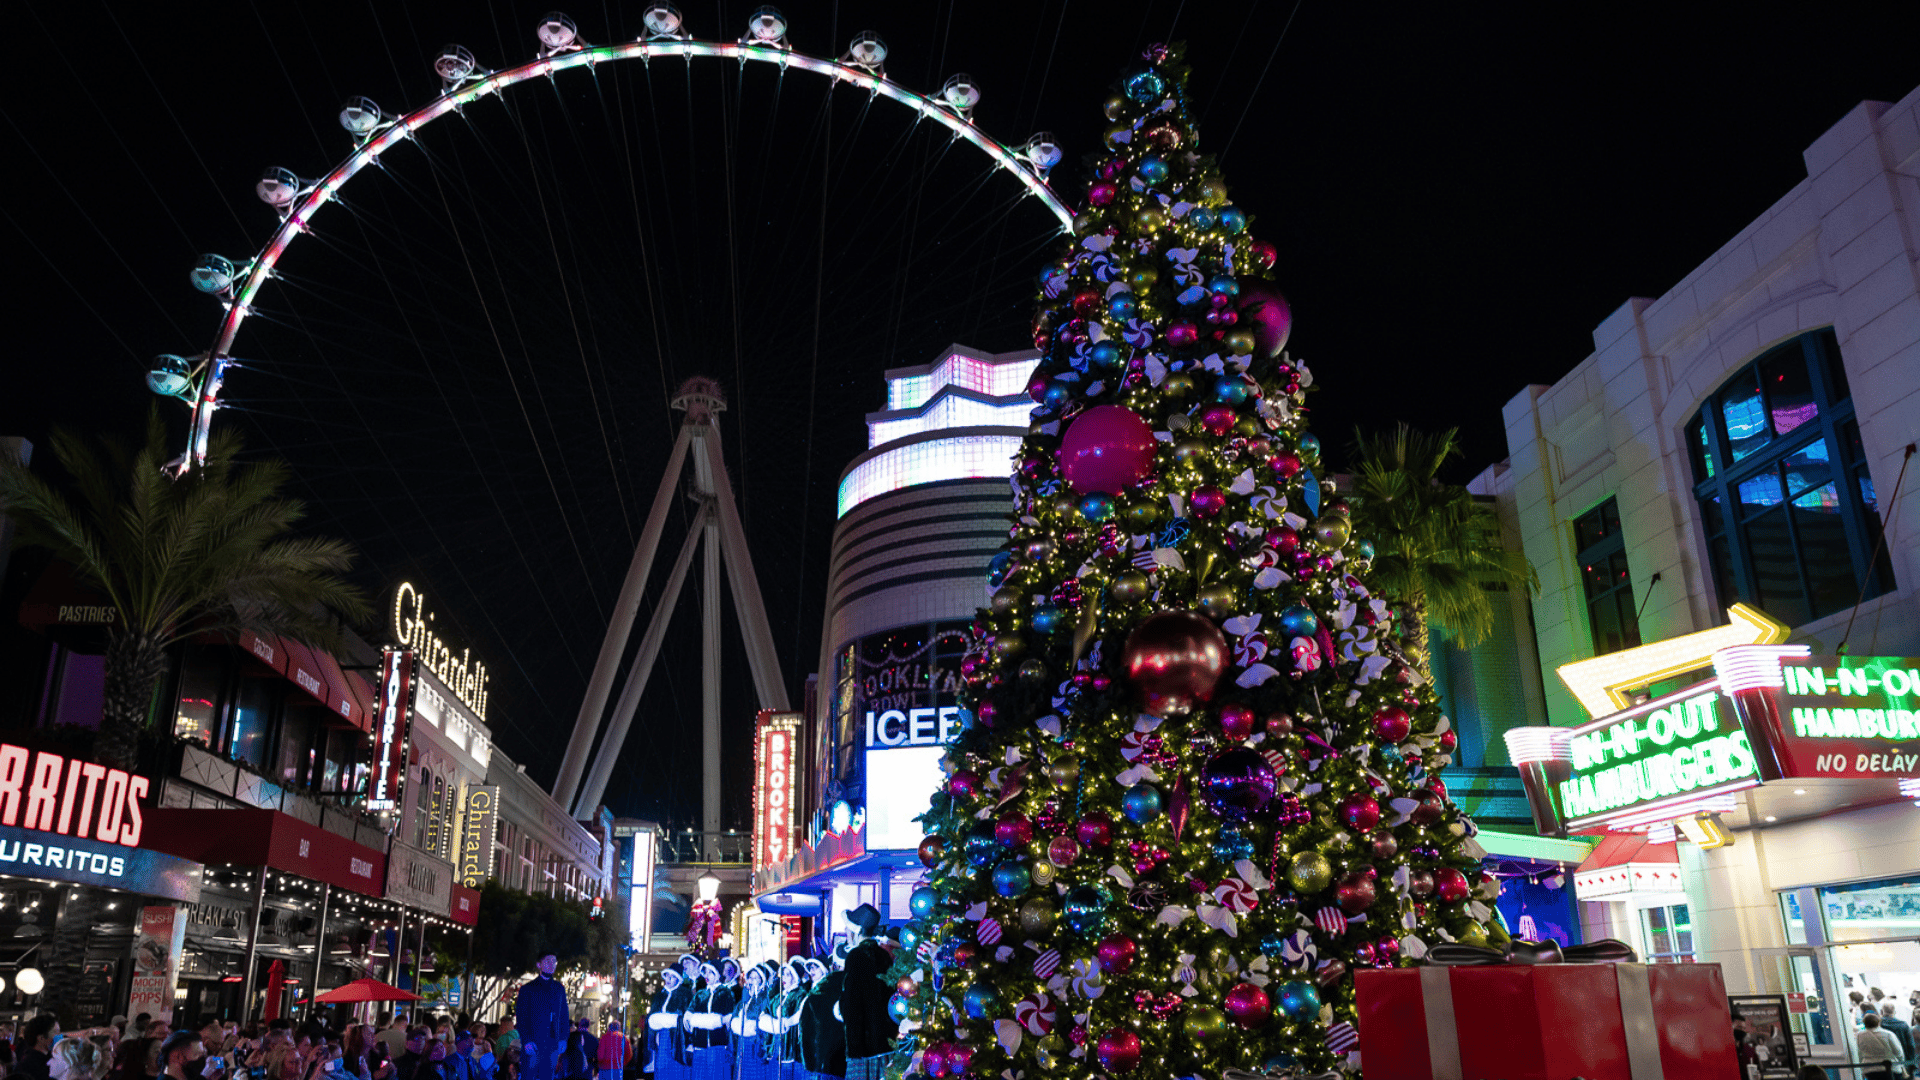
(709, 887)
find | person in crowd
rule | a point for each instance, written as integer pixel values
(863, 998)
(6, 1058)
(823, 1040)
(540, 1011)
(34, 1060)
(575, 1062)
(1900, 1030)
(139, 1028)
(181, 1049)
(76, 1059)
(129, 1060)
(380, 1062)
(507, 1035)
(394, 1035)
(610, 1052)
(354, 1049)
(662, 1022)
(510, 1063)
(1879, 1050)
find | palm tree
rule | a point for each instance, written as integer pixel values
(210, 552)
(1435, 545)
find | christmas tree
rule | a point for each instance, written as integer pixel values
(1200, 785)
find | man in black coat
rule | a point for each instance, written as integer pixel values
(540, 1014)
(823, 1038)
(863, 998)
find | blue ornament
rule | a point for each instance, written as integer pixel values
(1231, 389)
(1363, 549)
(1011, 879)
(1390, 754)
(1297, 1000)
(1233, 219)
(982, 848)
(897, 1008)
(1046, 619)
(997, 568)
(1097, 506)
(1230, 845)
(1123, 306)
(1271, 944)
(1202, 218)
(1145, 87)
(923, 901)
(979, 1001)
(1141, 803)
(1105, 354)
(1309, 446)
(1084, 910)
(1057, 394)
(909, 938)
(1221, 283)
(1152, 169)
(1310, 491)
(1172, 533)
(1299, 621)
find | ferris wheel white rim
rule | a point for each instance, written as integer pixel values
(303, 207)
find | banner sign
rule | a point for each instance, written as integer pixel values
(1677, 749)
(394, 713)
(640, 899)
(46, 792)
(156, 961)
(1849, 717)
(419, 879)
(476, 838)
(776, 740)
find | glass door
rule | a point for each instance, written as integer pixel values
(1796, 971)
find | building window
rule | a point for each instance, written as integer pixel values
(1669, 934)
(1602, 552)
(1787, 507)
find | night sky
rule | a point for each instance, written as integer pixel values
(467, 363)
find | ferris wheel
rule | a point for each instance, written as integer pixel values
(199, 380)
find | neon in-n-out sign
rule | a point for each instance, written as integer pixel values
(1832, 716)
(1678, 748)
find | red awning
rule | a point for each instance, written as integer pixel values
(316, 672)
(1619, 849)
(464, 906)
(270, 838)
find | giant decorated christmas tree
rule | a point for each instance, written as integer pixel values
(1201, 786)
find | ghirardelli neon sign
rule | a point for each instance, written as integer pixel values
(412, 624)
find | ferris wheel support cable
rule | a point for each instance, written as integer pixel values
(311, 198)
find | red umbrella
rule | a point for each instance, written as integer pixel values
(365, 990)
(276, 977)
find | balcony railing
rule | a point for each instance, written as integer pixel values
(690, 846)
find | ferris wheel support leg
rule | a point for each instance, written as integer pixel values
(748, 604)
(625, 609)
(637, 676)
(710, 683)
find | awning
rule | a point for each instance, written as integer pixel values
(271, 838)
(1626, 863)
(317, 672)
(465, 905)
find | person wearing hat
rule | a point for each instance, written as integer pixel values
(823, 1041)
(863, 998)
(749, 1051)
(662, 1020)
(704, 1025)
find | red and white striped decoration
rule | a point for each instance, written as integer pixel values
(1236, 896)
(1035, 1013)
(989, 931)
(1341, 1038)
(1046, 963)
(1277, 760)
(1331, 919)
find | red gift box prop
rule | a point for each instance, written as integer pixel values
(1546, 1022)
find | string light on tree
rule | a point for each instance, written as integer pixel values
(1201, 787)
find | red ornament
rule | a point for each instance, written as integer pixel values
(1101, 194)
(1180, 334)
(1263, 254)
(1267, 312)
(1207, 502)
(1219, 419)
(935, 1059)
(1388, 948)
(932, 850)
(1392, 723)
(1356, 892)
(987, 712)
(1247, 1005)
(1431, 807)
(1086, 302)
(1420, 883)
(905, 987)
(1236, 721)
(1116, 954)
(1037, 390)
(1014, 830)
(1106, 450)
(1286, 464)
(1279, 724)
(1094, 831)
(1359, 811)
(965, 953)
(1450, 885)
(1175, 659)
(1119, 1050)
(1283, 540)
(963, 784)
(1448, 740)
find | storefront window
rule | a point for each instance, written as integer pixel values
(1669, 934)
(296, 748)
(1871, 910)
(252, 725)
(1881, 974)
(197, 712)
(1796, 922)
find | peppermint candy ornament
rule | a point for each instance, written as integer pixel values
(989, 931)
(1036, 1013)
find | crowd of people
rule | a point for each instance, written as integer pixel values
(1883, 1037)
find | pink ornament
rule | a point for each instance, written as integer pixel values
(1119, 1050)
(1392, 723)
(959, 1058)
(963, 784)
(1388, 948)
(1263, 254)
(1101, 194)
(1359, 811)
(1037, 388)
(1356, 892)
(1014, 830)
(1267, 312)
(1286, 465)
(1219, 419)
(935, 1059)
(1063, 850)
(1450, 885)
(1116, 954)
(1236, 721)
(1094, 831)
(1247, 1005)
(1207, 502)
(1180, 334)
(1106, 450)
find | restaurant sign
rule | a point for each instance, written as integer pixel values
(1847, 717)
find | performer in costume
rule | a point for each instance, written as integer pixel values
(706, 1026)
(540, 1015)
(823, 1040)
(743, 1029)
(660, 1024)
(676, 1057)
(794, 977)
